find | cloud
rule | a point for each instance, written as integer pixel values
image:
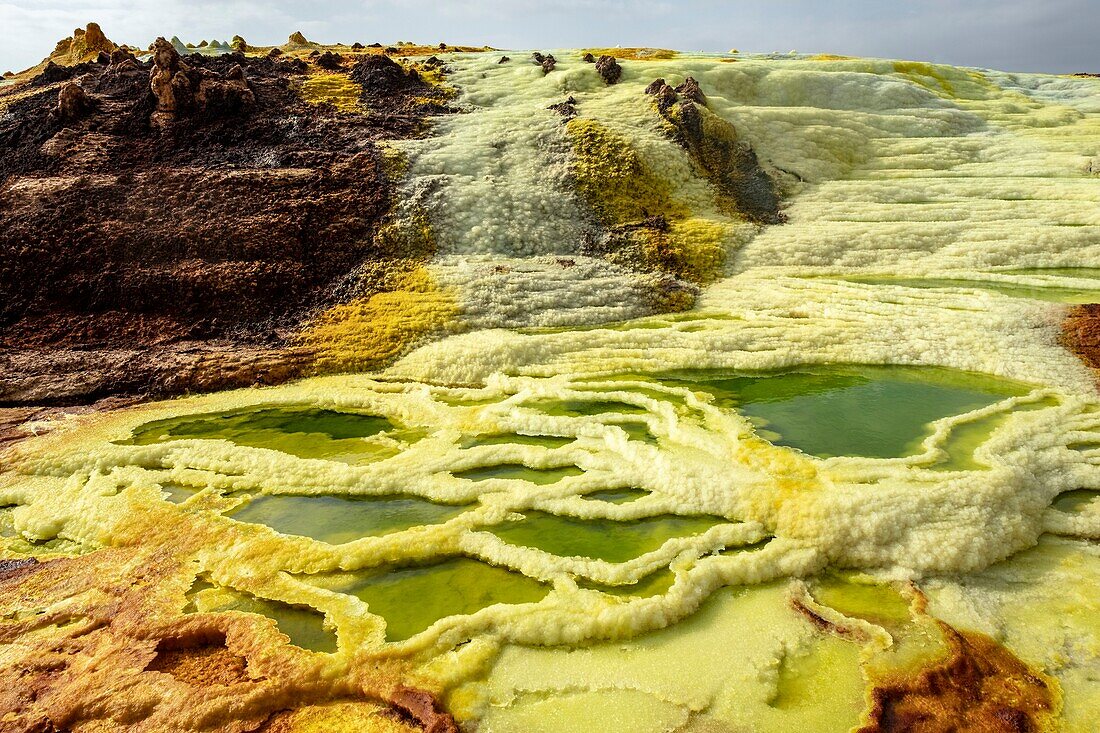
(1054, 35)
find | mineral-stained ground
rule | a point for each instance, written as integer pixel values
(446, 388)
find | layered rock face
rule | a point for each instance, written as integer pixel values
(171, 222)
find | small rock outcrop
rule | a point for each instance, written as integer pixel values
(181, 90)
(73, 103)
(609, 69)
(567, 109)
(329, 60)
(665, 94)
(85, 44)
(588, 58)
(297, 40)
(690, 89)
(381, 75)
(504, 60)
(547, 62)
(729, 163)
(238, 44)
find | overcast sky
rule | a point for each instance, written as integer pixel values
(1017, 35)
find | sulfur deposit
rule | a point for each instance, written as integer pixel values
(612, 389)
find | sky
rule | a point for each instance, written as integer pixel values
(1057, 36)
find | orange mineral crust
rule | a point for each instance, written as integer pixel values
(1081, 333)
(99, 642)
(981, 687)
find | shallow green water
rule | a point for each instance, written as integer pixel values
(301, 432)
(540, 441)
(580, 408)
(520, 472)
(1074, 501)
(617, 496)
(599, 539)
(965, 438)
(654, 584)
(1052, 293)
(878, 412)
(178, 494)
(304, 626)
(411, 599)
(336, 519)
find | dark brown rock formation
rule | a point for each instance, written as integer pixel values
(567, 109)
(331, 61)
(730, 164)
(690, 90)
(73, 103)
(181, 89)
(609, 69)
(547, 62)
(665, 94)
(172, 224)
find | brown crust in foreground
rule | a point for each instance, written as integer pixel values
(100, 642)
(981, 687)
(206, 664)
(1081, 334)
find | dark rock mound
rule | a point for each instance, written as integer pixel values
(690, 89)
(73, 103)
(567, 109)
(183, 90)
(609, 69)
(381, 75)
(665, 94)
(331, 61)
(728, 163)
(547, 62)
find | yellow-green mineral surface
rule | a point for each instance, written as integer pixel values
(723, 398)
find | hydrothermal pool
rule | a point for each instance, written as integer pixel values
(526, 515)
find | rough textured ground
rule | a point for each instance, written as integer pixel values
(170, 224)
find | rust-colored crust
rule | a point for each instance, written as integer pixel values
(101, 642)
(823, 624)
(981, 687)
(1081, 334)
(204, 664)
